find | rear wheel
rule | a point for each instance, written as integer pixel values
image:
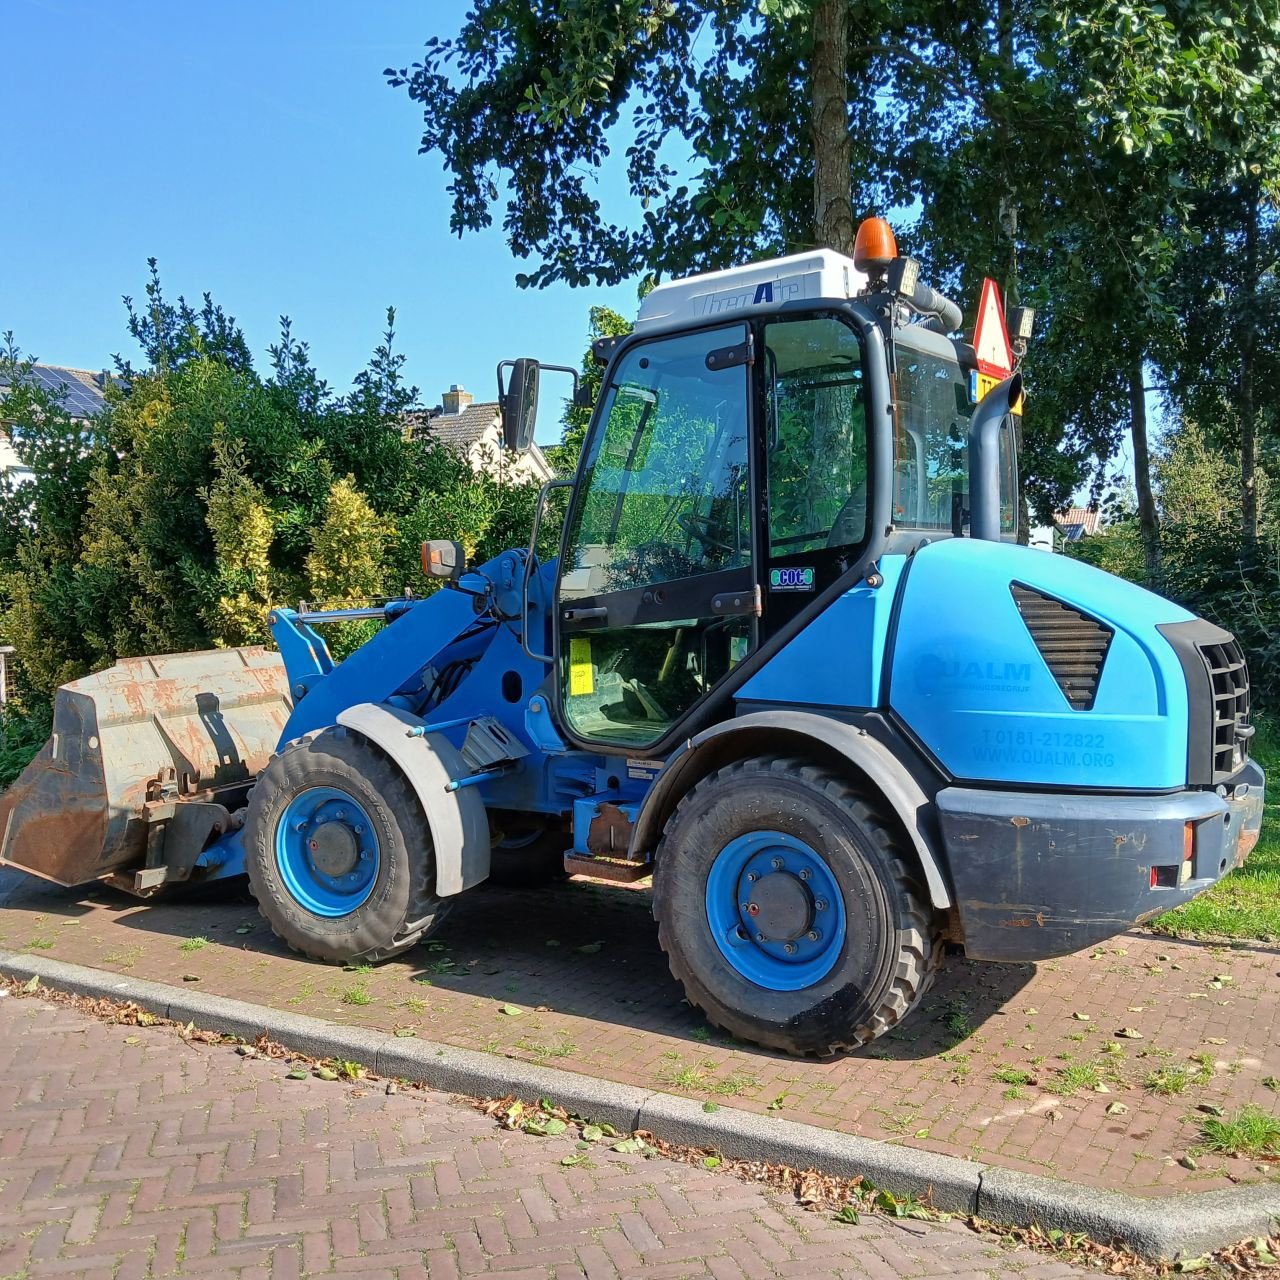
(338, 851)
(788, 910)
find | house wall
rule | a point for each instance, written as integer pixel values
(486, 455)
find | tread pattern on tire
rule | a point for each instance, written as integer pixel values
(920, 947)
(425, 912)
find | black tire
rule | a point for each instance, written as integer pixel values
(402, 908)
(891, 946)
(526, 851)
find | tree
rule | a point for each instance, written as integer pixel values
(205, 493)
(1080, 128)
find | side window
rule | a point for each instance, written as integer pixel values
(817, 443)
(931, 442)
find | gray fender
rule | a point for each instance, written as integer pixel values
(458, 822)
(769, 731)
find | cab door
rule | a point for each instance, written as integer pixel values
(657, 599)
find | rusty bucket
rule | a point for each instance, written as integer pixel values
(147, 731)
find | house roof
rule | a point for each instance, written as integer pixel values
(460, 429)
(1076, 522)
(83, 388)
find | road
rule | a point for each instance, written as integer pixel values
(127, 1153)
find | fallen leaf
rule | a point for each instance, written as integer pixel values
(190, 977)
(32, 985)
(133, 1039)
(405, 1033)
(1188, 1162)
(1129, 1033)
(922, 1133)
(589, 948)
(325, 1073)
(1101, 1088)
(1209, 1108)
(556, 1126)
(1215, 1040)
(569, 1161)
(1117, 1109)
(245, 928)
(1137, 1008)
(552, 942)
(628, 1146)
(1223, 977)
(1082, 1017)
(1053, 1115)
(592, 1132)
(511, 1011)
(246, 1051)
(710, 1162)
(298, 1073)
(1191, 1264)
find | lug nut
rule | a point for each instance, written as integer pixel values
(759, 937)
(359, 830)
(790, 948)
(820, 905)
(805, 873)
(342, 813)
(776, 864)
(752, 877)
(814, 935)
(365, 855)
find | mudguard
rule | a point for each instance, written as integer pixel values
(458, 821)
(773, 731)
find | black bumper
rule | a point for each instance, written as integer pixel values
(1040, 875)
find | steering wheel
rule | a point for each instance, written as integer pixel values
(699, 528)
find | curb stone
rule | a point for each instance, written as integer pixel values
(1165, 1227)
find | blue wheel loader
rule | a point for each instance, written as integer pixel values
(790, 661)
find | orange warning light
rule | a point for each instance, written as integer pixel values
(875, 245)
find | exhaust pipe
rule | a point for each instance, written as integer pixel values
(984, 457)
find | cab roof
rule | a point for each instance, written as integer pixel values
(820, 275)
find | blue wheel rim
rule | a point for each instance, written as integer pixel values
(327, 852)
(775, 911)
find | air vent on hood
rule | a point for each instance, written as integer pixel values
(1073, 645)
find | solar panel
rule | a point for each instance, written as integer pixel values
(80, 400)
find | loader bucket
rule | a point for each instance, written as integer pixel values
(146, 731)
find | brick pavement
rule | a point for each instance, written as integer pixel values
(581, 962)
(126, 1153)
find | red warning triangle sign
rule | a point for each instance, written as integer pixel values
(990, 337)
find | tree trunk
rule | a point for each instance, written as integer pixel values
(1248, 410)
(833, 226)
(1148, 519)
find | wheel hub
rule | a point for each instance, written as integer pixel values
(781, 907)
(775, 910)
(334, 851)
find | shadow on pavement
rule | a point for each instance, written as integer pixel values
(579, 948)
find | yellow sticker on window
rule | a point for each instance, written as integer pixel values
(581, 677)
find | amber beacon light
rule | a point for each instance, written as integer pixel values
(875, 245)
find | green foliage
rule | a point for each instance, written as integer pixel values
(205, 492)
(22, 734)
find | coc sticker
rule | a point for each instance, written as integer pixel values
(791, 579)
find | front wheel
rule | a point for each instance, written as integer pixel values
(788, 910)
(338, 851)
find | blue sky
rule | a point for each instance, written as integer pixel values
(257, 152)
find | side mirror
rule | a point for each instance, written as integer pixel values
(443, 559)
(518, 399)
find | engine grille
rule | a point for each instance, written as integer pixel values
(1073, 645)
(1229, 682)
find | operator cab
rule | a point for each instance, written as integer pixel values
(761, 438)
